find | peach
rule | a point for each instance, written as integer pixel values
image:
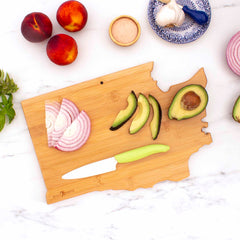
(72, 16)
(36, 27)
(62, 49)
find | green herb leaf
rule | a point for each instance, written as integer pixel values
(4, 100)
(2, 121)
(11, 114)
(7, 88)
(7, 85)
(10, 98)
(8, 104)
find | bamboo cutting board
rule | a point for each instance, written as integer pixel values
(102, 98)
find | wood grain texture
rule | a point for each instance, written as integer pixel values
(102, 98)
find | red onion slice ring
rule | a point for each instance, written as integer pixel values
(76, 134)
(67, 114)
(51, 113)
(233, 53)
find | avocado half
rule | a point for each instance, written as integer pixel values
(157, 116)
(236, 110)
(124, 115)
(189, 101)
(142, 115)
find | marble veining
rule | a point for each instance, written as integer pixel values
(224, 4)
(191, 209)
(204, 206)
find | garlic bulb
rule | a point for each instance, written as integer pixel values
(170, 13)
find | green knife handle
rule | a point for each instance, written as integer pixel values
(141, 152)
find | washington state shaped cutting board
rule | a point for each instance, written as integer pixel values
(102, 98)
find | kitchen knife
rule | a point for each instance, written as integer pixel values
(110, 164)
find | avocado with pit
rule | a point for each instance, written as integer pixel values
(142, 115)
(236, 110)
(125, 114)
(189, 101)
(157, 116)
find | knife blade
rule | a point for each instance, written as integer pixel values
(110, 164)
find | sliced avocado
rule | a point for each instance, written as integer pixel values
(142, 115)
(124, 115)
(189, 101)
(236, 110)
(157, 116)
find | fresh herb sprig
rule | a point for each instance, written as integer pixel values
(7, 88)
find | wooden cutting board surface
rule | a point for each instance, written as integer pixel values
(102, 98)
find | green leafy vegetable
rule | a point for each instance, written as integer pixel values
(7, 88)
(7, 85)
(2, 122)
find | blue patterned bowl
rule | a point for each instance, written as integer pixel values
(189, 31)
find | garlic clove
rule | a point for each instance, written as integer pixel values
(170, 14)
(165, 16)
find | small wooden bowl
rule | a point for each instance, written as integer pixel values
(119, 31)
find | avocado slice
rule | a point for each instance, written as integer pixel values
(236, 110)
(124, 115)
(189, 101)
(142, 115)
(157, 116)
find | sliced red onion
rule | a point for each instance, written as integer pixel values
(67, 114)
(233, 53)
(51, 111)
(76, 134)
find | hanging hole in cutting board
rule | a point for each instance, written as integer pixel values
(101, 82)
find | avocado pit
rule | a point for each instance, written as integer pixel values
(190, 101)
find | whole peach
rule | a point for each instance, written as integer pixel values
(62, 49)
(36, 27)
(72, 16)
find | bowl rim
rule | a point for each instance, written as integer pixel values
(120, 43)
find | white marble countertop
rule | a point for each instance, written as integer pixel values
(204, 206)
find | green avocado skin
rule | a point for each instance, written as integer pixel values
(176, 99)
(236, 110)
(122, 119)
(142, 116)
(157, 117)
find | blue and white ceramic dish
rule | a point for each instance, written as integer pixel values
(189, 31)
